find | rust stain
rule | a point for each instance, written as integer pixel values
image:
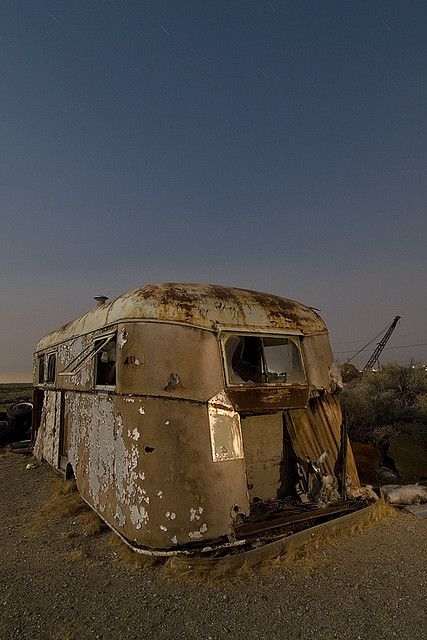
(249, 400)
(205, 306)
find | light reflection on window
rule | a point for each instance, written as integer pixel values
(263, 360)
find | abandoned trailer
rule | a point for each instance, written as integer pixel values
(189, 413)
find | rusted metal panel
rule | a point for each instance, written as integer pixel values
(150, 353)
(263, 447)
(319, 362)
(318, 429)
(204, 306)
(47, 443)
(146, 466)
(263, 399)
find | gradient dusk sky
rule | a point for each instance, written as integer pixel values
(278, 146)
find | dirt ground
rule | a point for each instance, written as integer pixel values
(56, 583)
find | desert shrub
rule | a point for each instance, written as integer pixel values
(394, 397)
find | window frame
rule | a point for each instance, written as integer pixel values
(295, 338)
(41, 358)
(48, 355)
(106, 338)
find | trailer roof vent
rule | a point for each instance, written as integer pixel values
(100, 300)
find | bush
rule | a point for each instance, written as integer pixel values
(395, 397)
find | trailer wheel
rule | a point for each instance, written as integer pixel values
(19, 411)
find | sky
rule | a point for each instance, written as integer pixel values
(272, 145)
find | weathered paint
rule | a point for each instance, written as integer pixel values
(263, 445)
(131, 488)
(204, 306)
(161, 456)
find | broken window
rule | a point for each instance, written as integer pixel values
(51, 369)
(40, 367)
(105, 362)
(263, 360)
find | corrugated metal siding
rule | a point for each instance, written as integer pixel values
(318, 428)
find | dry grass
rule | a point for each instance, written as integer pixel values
(64, 501)
(132, 559)
(91, 523)
(76, 554)
(200, 572)
(302, 557)
(312, 554)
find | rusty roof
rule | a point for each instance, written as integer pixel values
(207, 306)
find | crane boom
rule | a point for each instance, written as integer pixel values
(382, 343)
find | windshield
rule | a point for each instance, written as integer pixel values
(263, 360)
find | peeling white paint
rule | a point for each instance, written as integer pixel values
(138, 516)
(47, 446)
(130, 399)
(122, 338)
(120, 516)
(174, 540)
(135, 434)
(141, 411)
(142, 495)
(101, 448)
(167, 422)
(91, 427)
(160, 494)
(195, 513)
(199, 533)
(163, 528)
(195, 534)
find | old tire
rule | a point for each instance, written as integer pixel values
(19, 411)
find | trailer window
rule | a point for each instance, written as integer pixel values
(40, 367)
(263, 360)
(105, 362)
(51, 368)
